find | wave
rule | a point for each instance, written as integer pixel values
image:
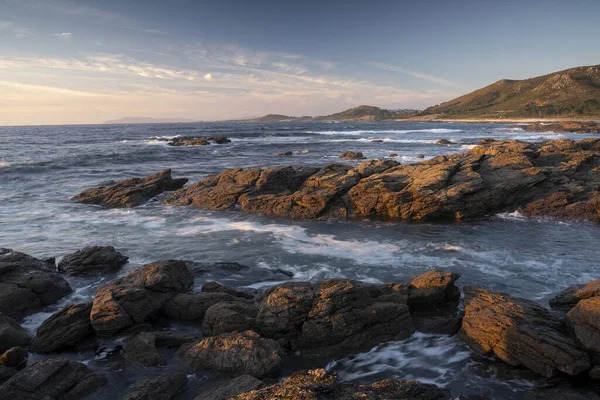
(385, 131)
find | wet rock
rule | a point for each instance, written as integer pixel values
(27, 284)
(519, 332)
(92, 260)
(142, 349)
(165, 387)
(226, 317)
(197, 140)
(352, 155)
(569, 297)
(215, 287)
(53, 379)
(245, 353)
(63, 329)
(173, 338)
(554, 178)
(14, 357)
(240, 384)
(138, 296)
(318, 383)
(193, 306)
(130, 192)
(444, 141)
(12, 334)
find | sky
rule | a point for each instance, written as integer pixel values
(84, 61)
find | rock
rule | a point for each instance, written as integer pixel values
(569, 297)
(197, 140)
(285, 153)
(562, 393)
(244, 353)
(519, 332)
(226, 317)
(595, 372)
(64, 328)
(215, 287)
(130, 192)
(14, 357)
(352, 155)
(92, 260)
(165, 387)
(373, 167)
(584, 321)
(142, 349)
(444, 141)
(318, 383)
(555, 178)
(193, 306)
(394, 155)
(376, 140)
(27, 284)
(563, 126)
(12, 334)
(6, 373)
(432, 289)
(173, 339)
(138, 296)
(240, 384)
(53, 379)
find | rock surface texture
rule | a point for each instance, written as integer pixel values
(12, 334)
(92, 260)
(27, 284)
(520, 332)
(558, 178)
(130, 192)
(63, 329)
(165, 387)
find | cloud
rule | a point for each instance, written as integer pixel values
(420, 75)
(64, 35)
(208, 77)
(7, 27)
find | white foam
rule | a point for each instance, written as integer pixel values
(4, 164)
(514, 216)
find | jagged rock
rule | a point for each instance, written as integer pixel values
(142, 349)
(193, 306)
(165, 387)
(92, 260)
(555, 178)
(352, 155)
(569, 297)
(226, 317)
(27, 284)
(12, 334)
(245, 353)
(519, 332)
(64, 328)
(237, 385)
(53, 379)
(14, 357)
(136, 297)
(245, 293)
(130, 192)
(173, 339)
(317, 384)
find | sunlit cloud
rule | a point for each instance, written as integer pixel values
(208, 77)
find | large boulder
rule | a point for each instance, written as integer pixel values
(92, 260)
(27, 284)
(553, 178)
(142, 349)
(584, 321)
(138, 296)
(130, 192)
(519, 332)
(226, 317)
(193, 306)
(569, 297)
(53, 379)
(237, 385)
(320, 384)
(11, 361)
(12, 334)
(165, 387)
(245, 353)
(64, 328)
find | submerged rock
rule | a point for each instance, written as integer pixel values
(519, 332)
(555, 178)
(12, 334)
(130, 192)
(319, 384)
(53, 379)
(165, 387)
(92, 260)
(245, 353)
(27, 284)
(64, 328)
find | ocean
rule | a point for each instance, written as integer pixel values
(42, 167)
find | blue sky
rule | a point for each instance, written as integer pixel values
(65, 61)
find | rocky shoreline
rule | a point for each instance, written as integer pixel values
(563, 127)
(249, 334)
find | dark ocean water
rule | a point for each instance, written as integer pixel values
(42, 167)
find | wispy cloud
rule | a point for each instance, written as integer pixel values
(10, 29)
(64, 35)
(420, 75)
